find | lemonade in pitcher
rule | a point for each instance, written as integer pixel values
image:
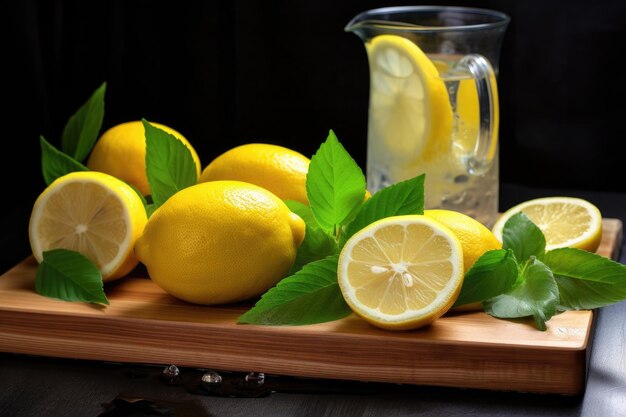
(433, 104)
(424, 118)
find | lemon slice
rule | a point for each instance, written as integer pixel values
(409, 107)
(401, 272)
(468, 113)
(565, 221)
(92, 213)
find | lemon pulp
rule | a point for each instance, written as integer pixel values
(91, 213)
(564, 221)
(401, 272)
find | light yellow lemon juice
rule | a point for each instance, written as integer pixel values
(425, 117)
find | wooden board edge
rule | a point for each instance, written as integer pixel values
(302, 355)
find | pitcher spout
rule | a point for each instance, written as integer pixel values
(356, 25)
(378, 20)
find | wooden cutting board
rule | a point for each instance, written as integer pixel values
(145, 325)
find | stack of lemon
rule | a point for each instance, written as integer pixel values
(231, 237)
(223, 240)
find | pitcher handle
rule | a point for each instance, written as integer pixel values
(486, 87)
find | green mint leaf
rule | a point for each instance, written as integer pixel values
(317, 244)
(55, 164)
(69, 276)
(169, 164)
(335, 185)
(494, 273)
(310, 296)
(405, 197)
(83, 127)
(524, 237)
(535, 294)
(586, 280)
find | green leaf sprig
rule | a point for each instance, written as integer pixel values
(68, 275)
(169, 164)
(337, 209)
(79, 135)
(523, 280)
(82, 129)
(311, 295)
(335, 186)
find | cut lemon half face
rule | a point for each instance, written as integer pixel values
(401, 272)
(92, 213)
(409, 107)
(565, 221)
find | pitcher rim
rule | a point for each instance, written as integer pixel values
(356, 22)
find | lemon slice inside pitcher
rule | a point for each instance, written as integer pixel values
(468, 115)
(409, 107)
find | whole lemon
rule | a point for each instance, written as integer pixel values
(121, 151)
(276, 168)
(220, 242)
(475, 237)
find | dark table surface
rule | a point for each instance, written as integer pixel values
(38, 386)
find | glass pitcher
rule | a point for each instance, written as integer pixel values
(433, 104)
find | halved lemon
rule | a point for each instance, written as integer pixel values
(401, 272)
(565, 221)
(92, 213)
(409, 107)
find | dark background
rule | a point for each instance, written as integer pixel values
(285, 72)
